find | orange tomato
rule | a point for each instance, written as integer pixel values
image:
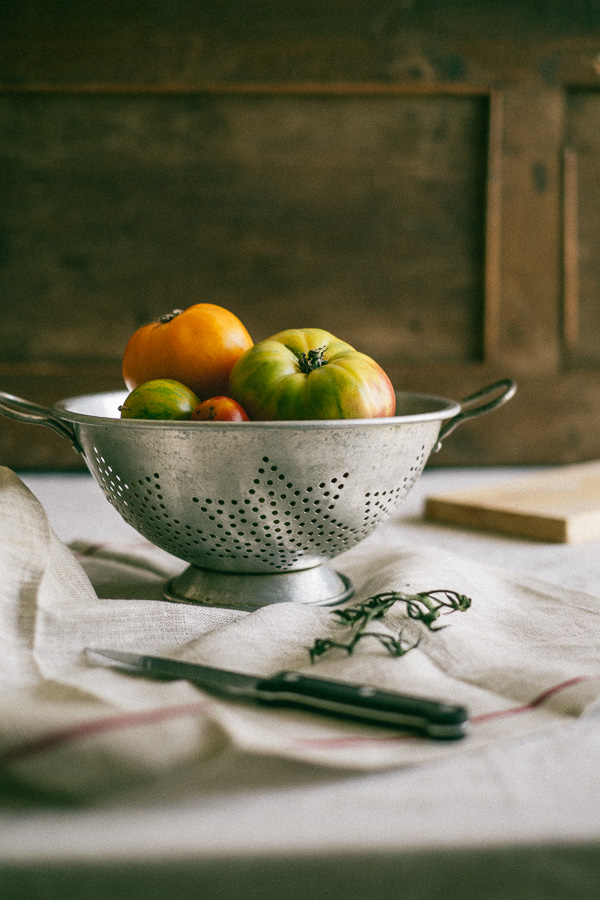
(197, 346)
(219, 409)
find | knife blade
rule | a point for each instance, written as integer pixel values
(432, 718)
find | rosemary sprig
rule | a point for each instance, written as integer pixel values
(425, 606)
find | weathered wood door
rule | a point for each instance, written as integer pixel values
(422, 179)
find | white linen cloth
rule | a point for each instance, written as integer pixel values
(523, 658)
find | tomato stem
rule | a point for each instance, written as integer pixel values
(169, 316)
(311, 360)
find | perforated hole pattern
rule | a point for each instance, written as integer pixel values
(273, 526)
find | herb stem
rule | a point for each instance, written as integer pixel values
(424, 606)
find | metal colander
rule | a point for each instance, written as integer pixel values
(256, 508)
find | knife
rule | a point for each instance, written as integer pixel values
(433, 718)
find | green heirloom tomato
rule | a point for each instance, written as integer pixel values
(307, 373)
(160, 398)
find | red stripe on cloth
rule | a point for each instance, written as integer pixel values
(150, 717)
(538, 701)
(99, 726)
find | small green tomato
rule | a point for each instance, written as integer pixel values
(161, 398)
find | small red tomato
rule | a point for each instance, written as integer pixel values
(220, 409)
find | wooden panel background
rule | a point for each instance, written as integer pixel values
(290, 209)
(582, 196)
(419, 180)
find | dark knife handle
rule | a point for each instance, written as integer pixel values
(433, 718)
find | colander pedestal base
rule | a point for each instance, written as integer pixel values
(319, 586)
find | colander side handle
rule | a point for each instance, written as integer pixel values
(477, 404)
(25, 411)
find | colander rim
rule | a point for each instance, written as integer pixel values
(444, 408)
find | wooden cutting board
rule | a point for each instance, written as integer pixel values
(559, 505)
